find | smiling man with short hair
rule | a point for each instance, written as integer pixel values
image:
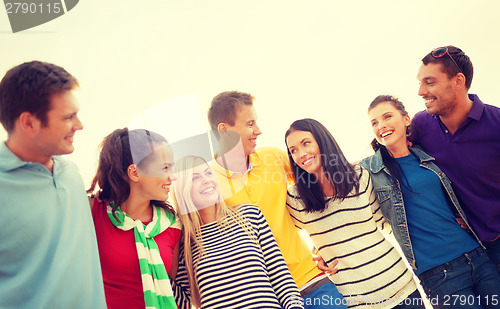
(463, 135)
(48, 249)
(247, 175)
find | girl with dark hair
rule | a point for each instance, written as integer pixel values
(137, 231)
(335, 203)
(418, 201)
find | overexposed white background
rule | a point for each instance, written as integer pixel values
(321, 59)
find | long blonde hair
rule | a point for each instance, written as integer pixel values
(192, 222)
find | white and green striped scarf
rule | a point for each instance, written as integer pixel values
(155, 282)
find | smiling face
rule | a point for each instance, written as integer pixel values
(56, 138)
(246, 127)
(436, 88)
(154, 178)
(305, 151)
(204, 191)
(389, 125)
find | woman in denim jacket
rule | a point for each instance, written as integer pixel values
(417, 199)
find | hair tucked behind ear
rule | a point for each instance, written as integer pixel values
(114, 159)
(395, 171)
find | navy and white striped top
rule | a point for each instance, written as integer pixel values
(236, 272)
(371, 272)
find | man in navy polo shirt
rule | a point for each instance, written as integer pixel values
(463, 135)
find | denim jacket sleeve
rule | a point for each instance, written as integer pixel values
(381, 221)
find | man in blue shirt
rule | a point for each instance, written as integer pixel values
(48, 250)
(463, 135)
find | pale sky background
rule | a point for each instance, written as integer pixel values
(321, 59)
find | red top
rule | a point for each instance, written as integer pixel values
(119, 261)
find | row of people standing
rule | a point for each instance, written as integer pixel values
(130, 207)
(232, 258)
(415, 196)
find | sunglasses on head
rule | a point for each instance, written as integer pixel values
(440, 52)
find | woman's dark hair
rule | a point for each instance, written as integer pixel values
(340, 174)
(395, 171)
(119, 150)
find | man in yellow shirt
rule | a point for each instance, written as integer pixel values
(260, 177)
